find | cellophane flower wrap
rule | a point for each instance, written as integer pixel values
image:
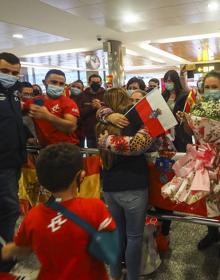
(197, 174)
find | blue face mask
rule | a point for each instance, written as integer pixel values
(130, 92)
(75, 91)
(7, 80)
(54, 91)
(211, 94)
(169, 86)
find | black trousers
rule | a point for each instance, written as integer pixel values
(165, 224)
(9, 208)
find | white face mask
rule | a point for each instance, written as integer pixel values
(211, 94)
(7, 80)
(54, 91)
(169, 86)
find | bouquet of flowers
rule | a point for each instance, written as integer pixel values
(197, 174)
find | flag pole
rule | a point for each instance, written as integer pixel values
(134, 105)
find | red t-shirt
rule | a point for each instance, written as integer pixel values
(47, 134)
(61, 245)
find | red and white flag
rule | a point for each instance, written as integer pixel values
(155, 113)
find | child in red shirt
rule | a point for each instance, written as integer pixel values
(59, 243)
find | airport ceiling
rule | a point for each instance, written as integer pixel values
(154, 32)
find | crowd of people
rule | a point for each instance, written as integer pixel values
(59, 121)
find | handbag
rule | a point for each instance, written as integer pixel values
(104, 245)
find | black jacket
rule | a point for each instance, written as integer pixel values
(127, 172)
(181, 137)
(12, 138)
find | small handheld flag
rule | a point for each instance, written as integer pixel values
(154, 113)
(190, 100)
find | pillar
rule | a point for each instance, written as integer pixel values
(115, 54)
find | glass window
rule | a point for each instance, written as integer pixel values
(83, 77)
(71, 76)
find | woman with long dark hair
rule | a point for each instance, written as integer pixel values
(175, 97)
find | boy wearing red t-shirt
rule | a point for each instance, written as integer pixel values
(59, 243)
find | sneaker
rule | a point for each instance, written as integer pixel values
(162, 242)
(207, 241)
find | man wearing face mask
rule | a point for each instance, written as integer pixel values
(76, 88)
(55, 115)
(26, 93)
(89, 102)
(12, 148)
(26, 90)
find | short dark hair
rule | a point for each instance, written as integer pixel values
(25, 84)
(10, 58)
(56, 72)
(57, 166)
(78, 81)
(155, 80)
(140, 82)
(95, 76)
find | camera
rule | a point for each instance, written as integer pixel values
(99, 38)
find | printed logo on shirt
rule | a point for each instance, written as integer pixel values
(57, 222)
(74, 110)
(105, 224)
(16, 96)
(55, 109)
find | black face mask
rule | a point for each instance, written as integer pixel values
(95, 86)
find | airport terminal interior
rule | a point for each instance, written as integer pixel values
(115, 41)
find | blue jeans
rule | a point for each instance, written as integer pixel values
(9, 207)
(128, 208)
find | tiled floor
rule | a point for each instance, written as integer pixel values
(182, 262)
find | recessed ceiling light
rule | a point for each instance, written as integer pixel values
(18, 36)
(130, 18)
(213, 6)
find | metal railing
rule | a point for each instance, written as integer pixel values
(175, 216)
(181, 217)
